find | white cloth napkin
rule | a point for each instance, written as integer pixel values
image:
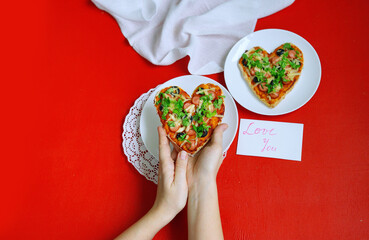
(163, 31)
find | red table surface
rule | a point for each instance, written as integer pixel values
(69, 78)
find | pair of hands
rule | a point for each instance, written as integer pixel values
(179, 173)
(183, 178)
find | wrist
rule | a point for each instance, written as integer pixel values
(202, 182)
(202, 187)
(161, 214)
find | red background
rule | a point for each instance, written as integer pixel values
(68, 80)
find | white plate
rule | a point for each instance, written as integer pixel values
(150, 120)
(270, 39)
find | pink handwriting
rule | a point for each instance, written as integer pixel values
(268, 147)
(251, 130)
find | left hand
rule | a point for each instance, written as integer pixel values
(171, 195)
(172, 190)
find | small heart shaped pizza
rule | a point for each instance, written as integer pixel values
(272, 76)
(189, 121)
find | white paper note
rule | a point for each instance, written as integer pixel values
(270, 139)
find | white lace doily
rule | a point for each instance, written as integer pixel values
(133, 146)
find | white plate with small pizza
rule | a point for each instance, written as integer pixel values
(269, 39)
(149, 120)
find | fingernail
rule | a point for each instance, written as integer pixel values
(183, 155)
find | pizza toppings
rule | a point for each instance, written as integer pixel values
(280, 52)
(190, 121)
(186, 105)
(196, 100)
(191, 132)
(173, 126)
(263, 87)
(212, 94)
(271, 74)
(275, 60)
(292, 54)
(181, 136)
(191, 145)
(274, 94)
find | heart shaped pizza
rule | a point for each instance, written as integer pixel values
(272, 76)
(189, 121)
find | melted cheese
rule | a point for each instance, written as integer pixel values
(200, 104)
(251, 50)
(171, 107)
(170, 96)
(206, 91)
(269, 80)
(176, 120)
(292, 74)
(181, 129)
(277, 88)
(188, 129)
(248, 71)
(190, 109)
(258, 57)
(211, 107)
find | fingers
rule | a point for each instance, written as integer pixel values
(181, 168)
(174, 153)
(164, 148)
(191, 162)
(217, 142)
(178, 149)
(166, 164)
(217, 138)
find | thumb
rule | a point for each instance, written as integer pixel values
(181, 168)
(217, 138)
